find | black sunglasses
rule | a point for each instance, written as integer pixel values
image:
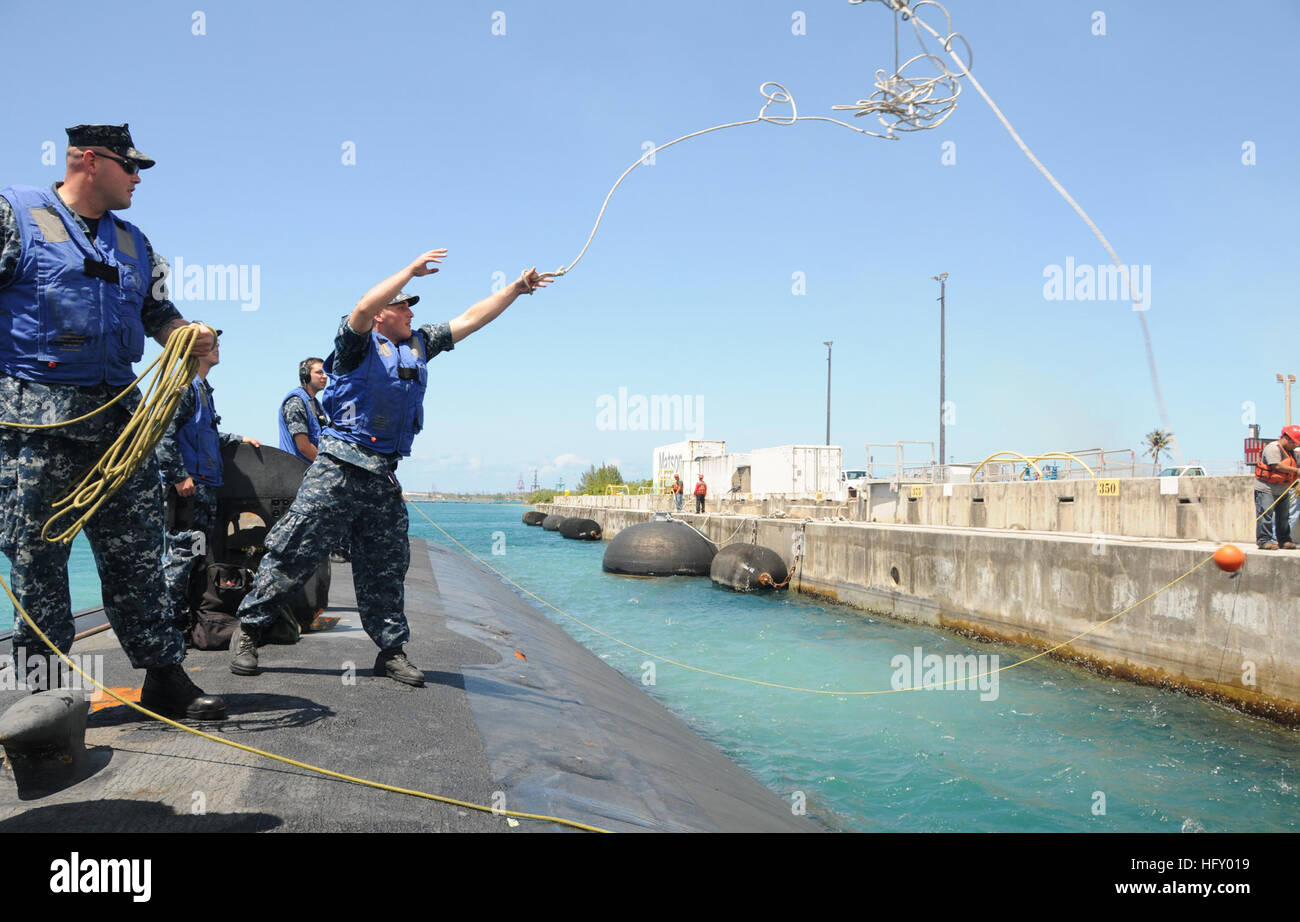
(130, 167)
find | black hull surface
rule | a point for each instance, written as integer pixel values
(512, 704)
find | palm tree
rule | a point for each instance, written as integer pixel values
(1156, 441)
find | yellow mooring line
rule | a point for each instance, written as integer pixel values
(284, 759)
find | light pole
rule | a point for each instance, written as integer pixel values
(828, 343)
(1287, 382)
(942, 279)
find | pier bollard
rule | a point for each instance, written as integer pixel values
(44, 738)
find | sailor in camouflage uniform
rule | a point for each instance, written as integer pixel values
(301, 417)
(80, 288)
(375, 404)
(189, 457)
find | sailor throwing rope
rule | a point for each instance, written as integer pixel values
(376, 408)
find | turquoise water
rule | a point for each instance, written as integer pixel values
(1041, 756)
(1055, 745)
(83, 585)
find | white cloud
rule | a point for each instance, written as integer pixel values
(568, 460)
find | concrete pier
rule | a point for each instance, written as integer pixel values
(1163, 508)
(1235, 639)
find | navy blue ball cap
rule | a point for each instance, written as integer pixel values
(116, 138)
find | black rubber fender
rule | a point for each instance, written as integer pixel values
(534, 517)
(552, 522)
(659, 549)
(581, 529)
(741, 566)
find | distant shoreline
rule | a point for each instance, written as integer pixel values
(499, 498)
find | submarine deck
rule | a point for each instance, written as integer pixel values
(515, 714)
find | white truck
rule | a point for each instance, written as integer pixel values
(854, 482)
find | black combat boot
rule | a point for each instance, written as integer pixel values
(169, 691)
(394, 664)
(243, 646)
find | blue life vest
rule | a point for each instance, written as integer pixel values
(380, 403)
(313, 424)
(58, 324)
(200, 444)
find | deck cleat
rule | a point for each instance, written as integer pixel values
(44, 738)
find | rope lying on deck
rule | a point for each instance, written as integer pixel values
(328, 773)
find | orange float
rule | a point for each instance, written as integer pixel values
(1229, 558)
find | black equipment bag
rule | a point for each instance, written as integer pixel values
(225, 587)
(214, 615)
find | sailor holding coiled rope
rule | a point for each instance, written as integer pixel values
(80, 288)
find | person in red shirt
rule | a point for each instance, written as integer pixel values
(1275, 472)
(701, 490)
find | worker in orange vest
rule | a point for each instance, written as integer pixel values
(701, 490)
(1275, 472)
(678, 490)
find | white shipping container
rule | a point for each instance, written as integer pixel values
(798, 470)
(680, 458)
(718, 471)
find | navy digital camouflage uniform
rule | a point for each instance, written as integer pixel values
(295, 415)
(39, 466)
(186, 546)
(348, 490)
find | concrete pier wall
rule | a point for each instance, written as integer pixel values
(1182, 509)
(1235, 639)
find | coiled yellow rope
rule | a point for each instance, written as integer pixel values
(176, 368)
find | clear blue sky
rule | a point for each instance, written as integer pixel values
(501, 148)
